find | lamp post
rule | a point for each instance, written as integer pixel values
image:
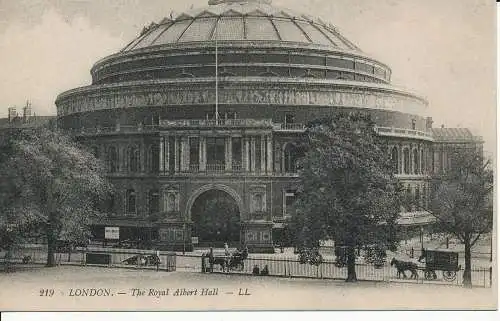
(421, 237)
(184, 238)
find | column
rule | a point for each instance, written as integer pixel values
(142, 157)
(229, 154)
(263, 154)
(252, 153)
(176, 154)
(184, 154)
(162, 154)
(245, 151)
(401, 160)
(167, 153)
(420, 159)
(203, 154)
(269, 154)
(412, 165)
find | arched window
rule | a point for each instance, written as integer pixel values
(133, 159)
(395, 159)
(424, 197)
(171, 202)
(131, 201)
(290, 158)
(416, 163)
(417, 197)
(154, 158)
(423, 164)
(406, 160)
(258, 202)
(112, 159)
(154, 201)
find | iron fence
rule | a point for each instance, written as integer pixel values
(481, 277)
(142, 259)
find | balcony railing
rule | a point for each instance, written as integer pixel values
(258, 123)
(116, 129)
(294, 127)
(402, 132)
(216, 168)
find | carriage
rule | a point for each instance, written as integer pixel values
(447, 262)
(234, 262)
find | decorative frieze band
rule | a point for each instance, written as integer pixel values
(112, 98)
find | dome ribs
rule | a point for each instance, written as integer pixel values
(275, 29)
(324, 34)
(301, 29)
(187, 27)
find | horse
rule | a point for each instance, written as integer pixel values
(402, 266)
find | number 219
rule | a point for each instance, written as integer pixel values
(47, 292)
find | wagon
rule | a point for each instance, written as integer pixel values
(447, 262)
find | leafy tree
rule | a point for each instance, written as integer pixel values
(461, 200)
(348, 191)
(52, 186)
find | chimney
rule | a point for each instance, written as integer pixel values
(442, 126)
(429, 122)
(27, 111)
(12, 114)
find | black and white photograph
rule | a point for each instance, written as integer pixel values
(248, 155)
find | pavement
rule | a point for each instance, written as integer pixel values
(68, 288)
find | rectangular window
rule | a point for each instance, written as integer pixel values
(289, 119)
(258, 154)
(154, 201)
(216, 147)
(340, 63)
(194, 151)
(171, 154)
(236, 151)
(289, 200)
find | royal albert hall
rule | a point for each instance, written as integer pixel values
(150, 114)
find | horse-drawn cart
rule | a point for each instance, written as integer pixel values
(447, 262)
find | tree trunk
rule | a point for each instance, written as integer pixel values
(351, 264)
(467, 280)
(51, 249)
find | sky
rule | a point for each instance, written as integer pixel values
(444, 50)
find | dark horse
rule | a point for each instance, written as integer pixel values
(402, 266)
(235, 261)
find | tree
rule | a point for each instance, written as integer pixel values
(348, 191)
(461, 200)
(54, 187)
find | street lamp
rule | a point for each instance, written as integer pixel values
(184, 238)
(422, 237)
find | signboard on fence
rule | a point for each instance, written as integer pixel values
(112, 233)
(194, 240)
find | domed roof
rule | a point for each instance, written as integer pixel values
(241, 20)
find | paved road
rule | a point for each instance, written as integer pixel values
(21, 291)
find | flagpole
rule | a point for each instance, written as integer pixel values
(216, 75)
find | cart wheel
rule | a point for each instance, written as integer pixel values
(449, 276)
(429, 275)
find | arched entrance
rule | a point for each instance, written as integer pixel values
(216, 219)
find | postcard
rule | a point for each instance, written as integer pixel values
(247, 155)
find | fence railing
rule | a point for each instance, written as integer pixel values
(143, 259)
(481, 277)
